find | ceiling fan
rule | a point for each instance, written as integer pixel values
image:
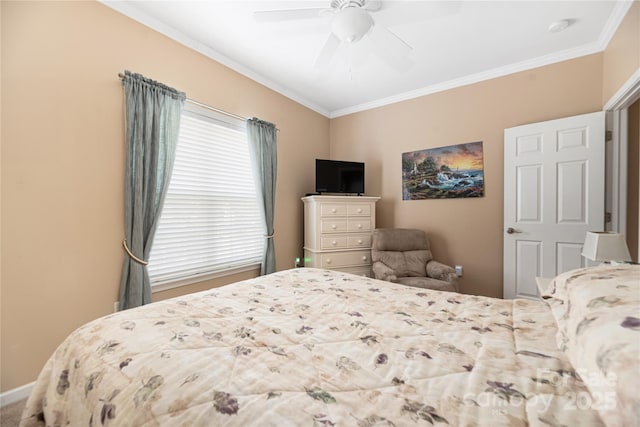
(351, 20)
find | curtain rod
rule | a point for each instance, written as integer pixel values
(208, 107)
(217, 110)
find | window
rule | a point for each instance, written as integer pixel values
(211, 223)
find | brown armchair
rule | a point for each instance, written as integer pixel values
(403, 255)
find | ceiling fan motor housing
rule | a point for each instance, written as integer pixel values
(341, 4)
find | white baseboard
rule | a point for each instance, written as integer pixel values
(15, 395)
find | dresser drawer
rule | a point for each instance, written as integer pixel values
(363, 241)
(358, 224)
(330, 226)
(331, 209)
(335, 242)
(345, 259)
(359, 210)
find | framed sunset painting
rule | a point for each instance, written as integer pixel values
(454, 171)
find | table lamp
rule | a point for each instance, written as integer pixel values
(605, 246)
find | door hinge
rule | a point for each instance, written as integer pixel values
(608, 135)
(607, 217)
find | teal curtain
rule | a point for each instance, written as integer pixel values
(262, 148)
(152, 121)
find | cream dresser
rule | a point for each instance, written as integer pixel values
(337, 232)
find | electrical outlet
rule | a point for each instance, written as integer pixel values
(459, 270)
(116, 306)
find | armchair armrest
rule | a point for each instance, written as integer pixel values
(440, 271)
(382, 271)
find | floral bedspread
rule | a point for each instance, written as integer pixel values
(598, 317)
(310, 347)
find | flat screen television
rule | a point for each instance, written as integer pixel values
(335, 176)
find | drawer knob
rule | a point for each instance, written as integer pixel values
(359, 241)
(364, 258)
(334, 243)
(359, 210)
(333, 226)
(328, 261)
(333, 210)
(359, 226)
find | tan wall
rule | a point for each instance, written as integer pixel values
(63, 156)
(467, 232)
(622, 56)
(633, 179)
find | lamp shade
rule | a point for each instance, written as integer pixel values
(351, 24)
(605, 246)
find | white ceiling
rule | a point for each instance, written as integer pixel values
(454, 43)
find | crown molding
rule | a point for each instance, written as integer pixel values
(615, 19)
(126, 9)
(474, 78)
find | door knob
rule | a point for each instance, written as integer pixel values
(512, 230)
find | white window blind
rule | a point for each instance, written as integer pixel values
(210, 222)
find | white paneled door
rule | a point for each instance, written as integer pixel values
(553, 195)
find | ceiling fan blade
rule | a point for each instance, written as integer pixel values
(328, 51)
(287, 14)
(390, 48)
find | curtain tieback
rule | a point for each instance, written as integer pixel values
(131, 255)
(270, 236)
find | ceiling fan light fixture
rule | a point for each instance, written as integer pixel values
(351, 24)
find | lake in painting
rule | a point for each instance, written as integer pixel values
(444, 172)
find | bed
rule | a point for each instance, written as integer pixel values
(311, 347)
